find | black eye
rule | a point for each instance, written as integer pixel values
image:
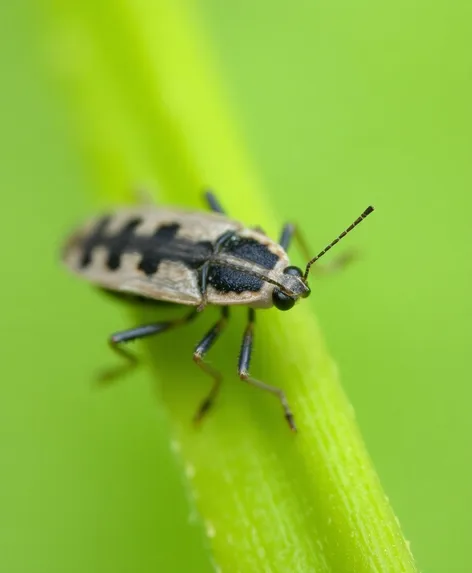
(295, 271)
(281, 300)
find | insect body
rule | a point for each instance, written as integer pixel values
(195, 259)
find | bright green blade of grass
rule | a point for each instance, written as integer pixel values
(150, 109)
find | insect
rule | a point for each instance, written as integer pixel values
(196, 259)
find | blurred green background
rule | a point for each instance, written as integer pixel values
(341, 105)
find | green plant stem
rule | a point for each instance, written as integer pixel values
(150, 108)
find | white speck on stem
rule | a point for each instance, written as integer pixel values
(190, 471)
(210, 530)
(175, 446)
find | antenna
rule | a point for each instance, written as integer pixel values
(368, 211)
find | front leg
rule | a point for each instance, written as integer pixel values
(243, 370)
(213, 202)
(203, 285)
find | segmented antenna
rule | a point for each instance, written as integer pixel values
(368, 211)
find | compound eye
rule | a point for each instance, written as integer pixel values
(281, 300)
(295, 271)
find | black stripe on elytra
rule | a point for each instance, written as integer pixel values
(96, 237)
(118, 244)
(165, 245)
(162, 245)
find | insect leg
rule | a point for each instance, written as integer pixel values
(290, 231)
(243, 370)
(200, 350)
(203, 284)
(213, 203)
(136, 333)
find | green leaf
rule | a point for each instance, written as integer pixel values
(149, 105)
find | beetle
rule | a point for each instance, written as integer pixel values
(196, 259)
